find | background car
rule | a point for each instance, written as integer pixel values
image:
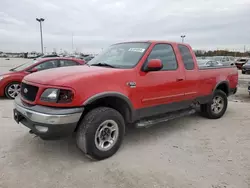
(225, 60)
(208, 63)
(10, 82)
(240, 62)
(246, 67)
(248, 88)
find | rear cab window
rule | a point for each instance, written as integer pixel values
(187, 57)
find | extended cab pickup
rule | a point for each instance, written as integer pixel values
(132, 83)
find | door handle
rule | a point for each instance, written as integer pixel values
(179, 79)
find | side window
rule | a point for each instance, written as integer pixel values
(65, 63)
(47, 65)
(166, 54)
(186, 57)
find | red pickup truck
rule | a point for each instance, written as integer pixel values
(139, 83)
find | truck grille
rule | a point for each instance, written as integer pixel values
(28, 92)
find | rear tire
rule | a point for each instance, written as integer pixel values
(12, 90)
(217, 107)
(100, 133)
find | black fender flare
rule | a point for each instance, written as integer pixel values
(113, 94)
(220, 83)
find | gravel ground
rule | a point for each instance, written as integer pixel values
(188, 152)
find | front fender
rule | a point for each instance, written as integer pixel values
(132, 113)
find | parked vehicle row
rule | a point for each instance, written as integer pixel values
(10, 82)
(224, 60)
(132, 83)
(216, 61)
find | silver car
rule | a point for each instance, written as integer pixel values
(208, 63)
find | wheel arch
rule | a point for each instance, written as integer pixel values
(224, 86)
(116, 100)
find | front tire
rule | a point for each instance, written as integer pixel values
(217, 107)
(243, 72)
(100, 133)
(12, 90)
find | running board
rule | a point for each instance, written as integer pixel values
(170, 116)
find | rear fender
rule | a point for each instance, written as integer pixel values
(225, 83)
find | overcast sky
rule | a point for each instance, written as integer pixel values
(95, 24)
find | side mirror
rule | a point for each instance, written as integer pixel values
(33, 70)
(153, 65)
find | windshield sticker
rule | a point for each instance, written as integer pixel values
(136, 50)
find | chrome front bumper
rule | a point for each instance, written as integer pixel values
(47, 122)
(47, 118)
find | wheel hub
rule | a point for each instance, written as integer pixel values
(217, 105)
(14, 90)
(106, 135)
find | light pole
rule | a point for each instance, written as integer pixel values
(40, 20)
(72, 42)
(182, 37)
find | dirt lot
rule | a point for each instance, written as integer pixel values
(188, 152)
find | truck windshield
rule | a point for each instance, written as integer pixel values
(122, 55)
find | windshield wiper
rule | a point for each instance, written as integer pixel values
(103, 65)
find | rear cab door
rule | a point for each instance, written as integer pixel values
(187, 57)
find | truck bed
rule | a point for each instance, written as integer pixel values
(216, 67)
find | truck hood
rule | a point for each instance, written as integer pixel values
(65, 75)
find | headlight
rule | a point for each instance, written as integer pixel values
(50, 95)
(57, 95)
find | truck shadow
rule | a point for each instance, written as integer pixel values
(4, 99)
(66, 149)
(47, 151)
(159, 131)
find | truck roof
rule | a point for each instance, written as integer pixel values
(153, 41)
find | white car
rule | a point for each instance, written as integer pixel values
(208, 63)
